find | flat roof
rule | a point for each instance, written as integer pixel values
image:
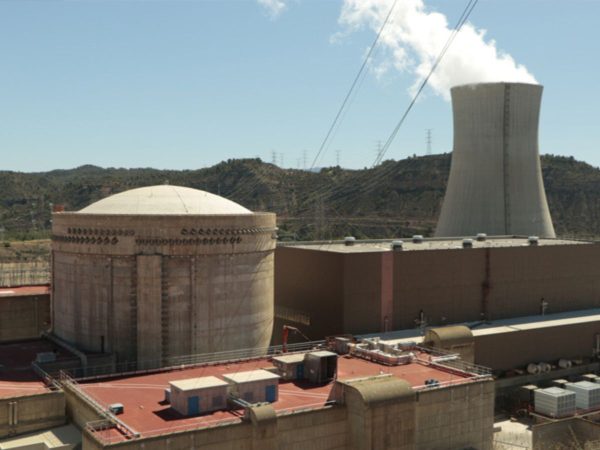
(17, 378)
(500, 326)
(290, 359)
(24, 291)
(369, 246)
(198, 383)
(250, 376)
(146, 412)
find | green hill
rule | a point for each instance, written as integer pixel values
(397, 198)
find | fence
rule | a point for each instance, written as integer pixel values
(24, 273)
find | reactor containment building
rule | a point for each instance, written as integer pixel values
(159, 272)
(495, 184)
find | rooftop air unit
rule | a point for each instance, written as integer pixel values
(495, 184)
(554, 402)
(587, 394)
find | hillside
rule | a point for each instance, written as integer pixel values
(397, 198)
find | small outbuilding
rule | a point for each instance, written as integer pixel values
(254, 386)
(196, 396)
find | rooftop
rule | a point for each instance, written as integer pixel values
(17, 377)
(370, 246)
(250, 376)
(165, 200)
(24, 291)
(146, 412)
(198, 383)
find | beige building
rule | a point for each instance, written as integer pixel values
(158, 272)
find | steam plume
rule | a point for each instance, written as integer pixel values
(414, 37)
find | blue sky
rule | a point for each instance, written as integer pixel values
(186, 84)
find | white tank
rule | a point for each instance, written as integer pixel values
(495, 184)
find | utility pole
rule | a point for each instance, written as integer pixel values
(320, 224)
(337, 157)
(428, 141)
(304, 159)
(378, 148)
(274, 157)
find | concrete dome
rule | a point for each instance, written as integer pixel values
(164, 200)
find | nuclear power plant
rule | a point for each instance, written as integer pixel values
(163, 271)
(174, 319)
(495, 184)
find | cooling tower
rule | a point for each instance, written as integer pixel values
(495, 184)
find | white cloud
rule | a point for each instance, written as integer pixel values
(273, 7)
(414, 37)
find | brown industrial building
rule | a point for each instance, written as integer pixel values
(327, 288)
(24, 312)
(155, 273)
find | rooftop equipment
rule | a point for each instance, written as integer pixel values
(495, 183)
(587, 394)
(555, 402)
(533, 240)
(467, 243)
(320, 367)
(290, 367)
(116, 408)
(195, 396)
(481, 237)
(349, 240)
(397, 245)
(254, 386)
(417, 239)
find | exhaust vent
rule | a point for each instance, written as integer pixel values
(417, 238)
(467, 243)
(481, 237)
(397, 245)
(533, 240)
(349, 240)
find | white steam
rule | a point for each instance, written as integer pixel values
(414, 37)
(273, 7)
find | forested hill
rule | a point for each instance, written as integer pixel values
(397, 198)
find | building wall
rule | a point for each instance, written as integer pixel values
(342, 293)
(33, 412)
(456, 417)
(517, 348)
(24, 317)
(148, 289)
(308, 284)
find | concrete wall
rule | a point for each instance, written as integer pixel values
(32, 413)
(146, 288)
(24, 317)
(343, 292)
(460, 417)
(564, 434)
(517, 348)
(367, 417)
(495, 184)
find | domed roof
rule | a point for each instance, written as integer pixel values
(165, 199)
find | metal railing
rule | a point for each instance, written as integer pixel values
(24, 274)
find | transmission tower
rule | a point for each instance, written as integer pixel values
(274, 157)
(428, 140)
(337, 157)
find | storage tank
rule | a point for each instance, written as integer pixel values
(495, 184)
(158, 272)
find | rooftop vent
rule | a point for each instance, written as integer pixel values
(397, 245)
(533, 240)
(349, 240)
(481, 237)
(467, 243)
(417, 238)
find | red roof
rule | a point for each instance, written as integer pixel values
(24, 291)
(147, 413)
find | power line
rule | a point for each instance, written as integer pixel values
(461, 21)
(358, 75)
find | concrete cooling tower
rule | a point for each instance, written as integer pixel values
(159, 272)
(495, 184)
